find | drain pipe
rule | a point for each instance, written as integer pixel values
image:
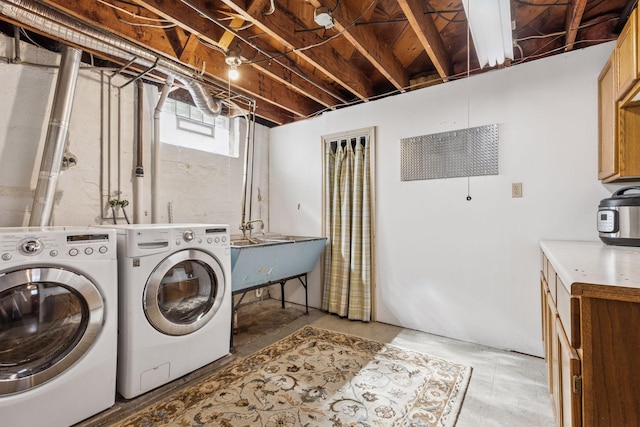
(57, 134)
(155, 173)
(139, 169)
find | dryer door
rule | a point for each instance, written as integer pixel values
(49, 317)
(184, 292)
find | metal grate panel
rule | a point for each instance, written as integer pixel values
(464, 152)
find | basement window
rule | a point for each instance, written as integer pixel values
(183, 125)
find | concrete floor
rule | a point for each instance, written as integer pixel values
(506, 388)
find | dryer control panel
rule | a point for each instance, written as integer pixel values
(202, 236)
(141, 240)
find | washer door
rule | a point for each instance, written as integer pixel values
(184, 292)
(49, 317)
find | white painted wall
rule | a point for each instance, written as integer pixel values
(199, 186)
(463, 269)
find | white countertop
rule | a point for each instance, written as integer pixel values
(593, 263)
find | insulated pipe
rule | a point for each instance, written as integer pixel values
(155, 173)
(61, 26)
(57, 134)
(138, 200)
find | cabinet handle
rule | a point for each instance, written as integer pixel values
(577, 384)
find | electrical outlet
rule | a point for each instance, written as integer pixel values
(516, 189)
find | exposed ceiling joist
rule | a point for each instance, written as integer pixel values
(280, 26)
(428, 35)
(293, 68)
(574, 18)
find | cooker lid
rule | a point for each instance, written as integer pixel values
(622, 198)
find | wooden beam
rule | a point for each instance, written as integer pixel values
(188, 53)
(251, 83)
(228, 36)
(574, 18)
(187, 18)
(429, 37)
(307, 45)
(367, 43)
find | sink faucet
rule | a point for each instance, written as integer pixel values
(249, 226)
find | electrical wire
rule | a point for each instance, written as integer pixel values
(452, 77)
(302, 49)
(140, 24)
(562, 33)
(272, 8)
(468, 102)
(24, 33)
(542, 4)
(441, 13)
(131, 13)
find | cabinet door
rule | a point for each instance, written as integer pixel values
(627, 56)
(611, 362)
(569, 385)
(607, 121)
(543, 306)
(553, 371)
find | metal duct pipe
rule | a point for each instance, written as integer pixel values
(138, 205)
(155, 173)
(59, 25)
(57, 134)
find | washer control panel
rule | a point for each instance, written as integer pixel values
(56, 243)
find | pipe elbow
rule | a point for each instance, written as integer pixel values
(203, 99)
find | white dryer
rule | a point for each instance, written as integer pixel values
(175, 302)
(58, 324)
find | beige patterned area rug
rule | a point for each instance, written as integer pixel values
(316, 377)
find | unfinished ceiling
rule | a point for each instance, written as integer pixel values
(294, 68)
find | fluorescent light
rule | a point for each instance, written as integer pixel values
(490, 24)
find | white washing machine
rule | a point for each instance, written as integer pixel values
(175, 302)
(58, 324)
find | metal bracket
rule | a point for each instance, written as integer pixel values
(141, 75)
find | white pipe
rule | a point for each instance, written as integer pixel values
(138, 198)
(155, 173)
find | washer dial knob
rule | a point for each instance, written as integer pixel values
(31, 247)
(188, 236)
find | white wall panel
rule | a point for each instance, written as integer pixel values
(464, 269)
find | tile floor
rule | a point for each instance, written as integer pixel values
(506, 389)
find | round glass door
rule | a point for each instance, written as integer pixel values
(49, 317)
(184, 292)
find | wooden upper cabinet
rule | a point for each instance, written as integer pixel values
(626, 53)
(619, 109)
(607, 120)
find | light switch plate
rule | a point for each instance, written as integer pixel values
(516, 189)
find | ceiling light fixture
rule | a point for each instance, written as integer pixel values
(322, 17)
(490, 24)
(233, 61)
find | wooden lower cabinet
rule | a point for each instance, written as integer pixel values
(594, 376)
(611, 362)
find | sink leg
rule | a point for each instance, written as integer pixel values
(282, 292)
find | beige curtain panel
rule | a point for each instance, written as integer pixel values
(347, 281)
